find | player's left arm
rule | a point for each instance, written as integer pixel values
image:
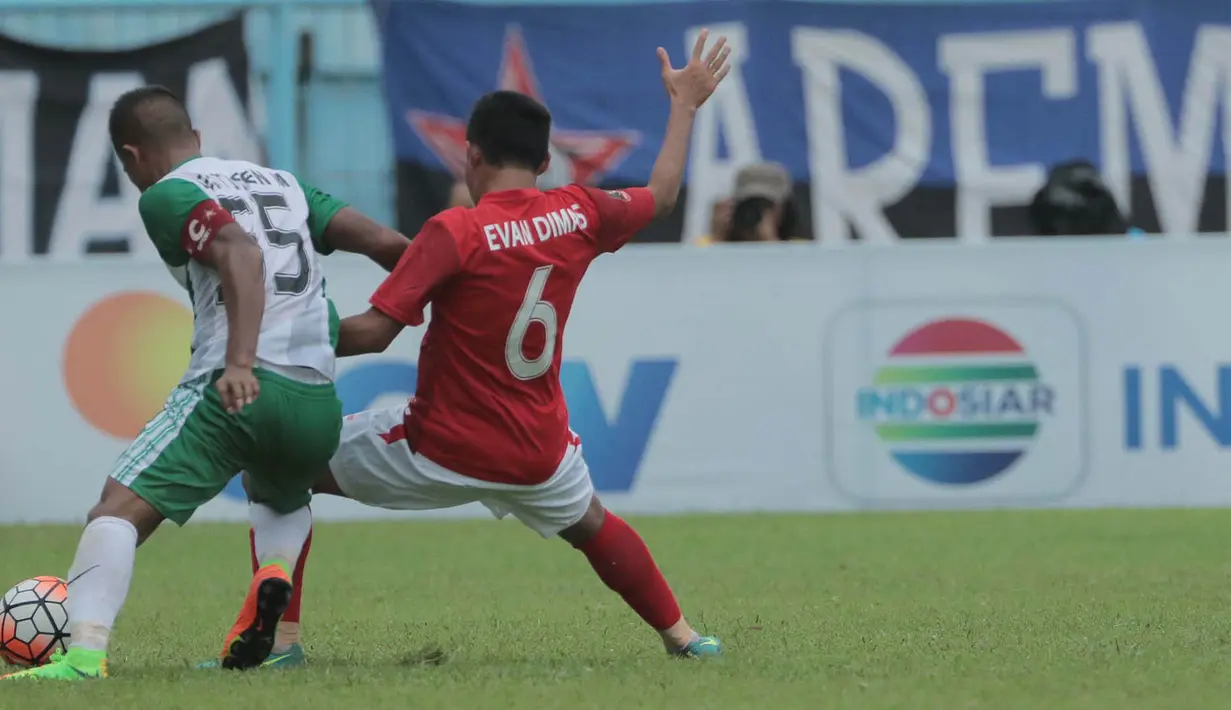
(237, 258)
(688, 88)
(623, 213)
(186, 223)
(620, 214)
(334, 225)
(430, 260)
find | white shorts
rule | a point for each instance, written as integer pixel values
(370, 469)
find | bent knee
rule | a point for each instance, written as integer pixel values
(591, 522)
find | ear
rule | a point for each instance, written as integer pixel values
(546, 164)
(197, 134)
(129, 154)
(474, 158)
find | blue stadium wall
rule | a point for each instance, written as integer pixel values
(355, 162)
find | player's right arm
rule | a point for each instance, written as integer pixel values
(186, 223)
(335, 225)
(431, 259)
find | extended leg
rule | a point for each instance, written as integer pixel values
(99, 580)
(621, 559)
(177, 463)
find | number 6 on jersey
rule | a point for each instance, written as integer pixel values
(533, 309)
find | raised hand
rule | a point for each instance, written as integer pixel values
(690, 85)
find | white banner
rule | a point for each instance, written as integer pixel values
(767, 377)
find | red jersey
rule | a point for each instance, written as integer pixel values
(501, 278)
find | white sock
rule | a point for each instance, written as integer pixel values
(278, 537)
(98, 580)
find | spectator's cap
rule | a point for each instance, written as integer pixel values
(768, 180)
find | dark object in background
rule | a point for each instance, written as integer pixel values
(1076, 202)
(63, 108)
(760, 189)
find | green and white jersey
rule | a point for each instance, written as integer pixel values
(287, 218)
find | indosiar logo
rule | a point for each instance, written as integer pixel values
(957, 401)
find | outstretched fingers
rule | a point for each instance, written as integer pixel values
(719, 65)
(715, 51)
(699, 47)
(664, 59)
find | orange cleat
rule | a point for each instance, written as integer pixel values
(252, 638)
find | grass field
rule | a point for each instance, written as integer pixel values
(998, 610)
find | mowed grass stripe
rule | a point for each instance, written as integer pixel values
(958, 373)
(911, 432)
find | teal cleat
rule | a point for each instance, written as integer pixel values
(700, 647)
(293, 658)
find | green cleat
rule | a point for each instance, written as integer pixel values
(292, 658)
(78, 664)
(700, 647)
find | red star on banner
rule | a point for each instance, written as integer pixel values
(589, 154)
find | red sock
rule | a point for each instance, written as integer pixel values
(293, 608)
(619, 556)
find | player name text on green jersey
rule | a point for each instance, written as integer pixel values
(286, 218)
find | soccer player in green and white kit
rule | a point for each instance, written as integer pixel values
(258, 394)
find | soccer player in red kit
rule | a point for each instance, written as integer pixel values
(488, 421)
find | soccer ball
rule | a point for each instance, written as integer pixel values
(34, 621)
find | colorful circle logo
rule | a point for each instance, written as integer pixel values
(957, 402)
(123, 357)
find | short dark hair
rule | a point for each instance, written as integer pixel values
(510, 129)
(149, 114)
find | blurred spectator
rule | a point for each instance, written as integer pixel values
(1076, 202)
(761, 206)
(720, 222)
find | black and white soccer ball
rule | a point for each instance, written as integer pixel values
(34, 621)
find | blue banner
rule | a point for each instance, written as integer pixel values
(938, 120)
